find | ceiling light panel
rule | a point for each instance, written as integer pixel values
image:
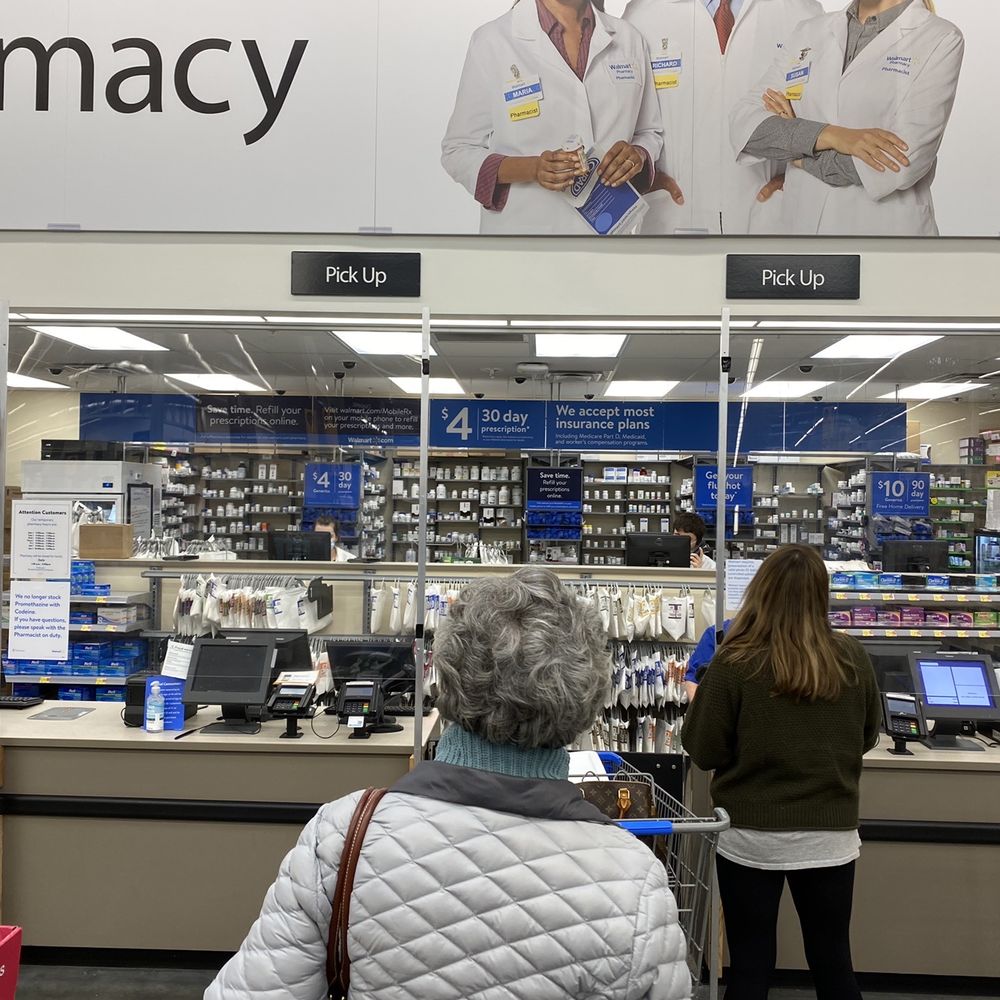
(98, 338)
(403, 343)
(875, 347)
(934, 390)
(439, 386)
(568, 345)
(215, 383)
(17, 381)
(199, 318)
(625, 389)
(809, 324)
(776, 389)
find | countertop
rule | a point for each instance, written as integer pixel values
(925, 759)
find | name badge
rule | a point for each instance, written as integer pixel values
(795, 81)
(667, 71)
(522, 96)
(898, 64)
(623, 72)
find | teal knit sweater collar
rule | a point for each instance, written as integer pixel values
(465, 749)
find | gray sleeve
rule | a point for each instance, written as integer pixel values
(784, 139)
(833, 168)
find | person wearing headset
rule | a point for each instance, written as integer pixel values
(546, 72)
(857, 104)
(706, 54)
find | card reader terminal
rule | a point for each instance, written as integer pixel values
(903, 716)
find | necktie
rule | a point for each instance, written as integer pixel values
(724, 22)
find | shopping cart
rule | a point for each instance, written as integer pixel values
(686, 845)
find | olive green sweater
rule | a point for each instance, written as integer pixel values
(781, 764)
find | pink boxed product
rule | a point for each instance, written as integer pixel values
(864, 616)
(840, 619)
(890, 616)
(961, 619)
(913, 616)
(938, 618)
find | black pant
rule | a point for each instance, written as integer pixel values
(822, 897)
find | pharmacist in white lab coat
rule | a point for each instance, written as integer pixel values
(706, 55)
(544, 72)
(858, 105)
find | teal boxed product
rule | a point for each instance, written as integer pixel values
(937, 582)
(110, 694)
(866, 581)
(76, 694)
(842, 581)
(988, 582)
(890, 581)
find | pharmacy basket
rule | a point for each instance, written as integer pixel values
(10, 959)
(686, 845)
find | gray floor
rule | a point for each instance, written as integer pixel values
(72, 983)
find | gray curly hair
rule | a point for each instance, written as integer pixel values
(521, 660)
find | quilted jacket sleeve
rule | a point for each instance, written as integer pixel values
(284, 955)
(659, 955)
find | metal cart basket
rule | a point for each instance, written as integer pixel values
(686, 845)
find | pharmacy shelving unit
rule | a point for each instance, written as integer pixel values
(958, 511)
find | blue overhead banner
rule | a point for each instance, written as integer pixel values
(739, 487)
(329, 484)
(527, 425)
(900, 494)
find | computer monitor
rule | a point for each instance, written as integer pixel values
(379, 658)
(299, 546)
(891, 660)
(658, 550)
(234, 672)
(958, 690)
(291, 646)
(988, 551)
(899, 556)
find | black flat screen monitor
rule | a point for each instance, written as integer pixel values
(299, 546)
(915, 557)
(357, 658)
(958, 690)
(233, 672)
(891, 660)
(291, 646)
(988, 551)
(658, 550)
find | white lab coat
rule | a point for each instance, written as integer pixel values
(903, 81)
(599, 109)
(719, 194)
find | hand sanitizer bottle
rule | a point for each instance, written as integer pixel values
(155, 707)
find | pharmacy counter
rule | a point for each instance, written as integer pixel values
(927, 894)
(100, 823)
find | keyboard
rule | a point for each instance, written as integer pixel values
(405, 711)
(16, 701)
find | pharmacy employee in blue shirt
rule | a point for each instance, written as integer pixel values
(706, 55)
(701, 657)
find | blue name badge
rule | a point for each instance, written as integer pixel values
(667, 64)
(798, 75)
(522, 92)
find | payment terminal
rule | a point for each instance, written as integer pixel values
(903, 715)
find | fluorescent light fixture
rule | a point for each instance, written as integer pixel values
(345, 320)
(776, 389)
(639, 389)
(214, 383)
(568, 345)
(872, 346)
(472, 321)
(98, 338)
(807, 324)
(629, 324)
(18, 381)
(439, 386)
(934, 390)
(405, 343)
(145, 317)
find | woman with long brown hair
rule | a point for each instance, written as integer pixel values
(784, 714)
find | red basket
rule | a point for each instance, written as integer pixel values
(10, 961)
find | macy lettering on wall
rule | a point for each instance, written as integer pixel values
(151, 70)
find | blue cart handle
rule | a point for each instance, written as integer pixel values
(611, 761)
(647, 827)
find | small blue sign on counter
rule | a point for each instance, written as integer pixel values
(555, 489)
(329, 484)
(739, 487)
(900, 494)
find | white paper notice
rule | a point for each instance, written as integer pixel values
(993, 501)
(39, 620)
(41, 536)
(739, 573)
(177, 660)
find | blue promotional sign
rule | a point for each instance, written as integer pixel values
(330, 484)
(900, 494)
(621, 426)
(554, 489)
(459, 423)
(367, 422)
(739, 487)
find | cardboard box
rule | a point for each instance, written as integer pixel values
(105, 541)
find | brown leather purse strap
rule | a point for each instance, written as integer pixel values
(338, 964)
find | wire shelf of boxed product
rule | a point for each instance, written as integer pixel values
(952, 597)
(922, 633)
(66, 680)
(110, 629)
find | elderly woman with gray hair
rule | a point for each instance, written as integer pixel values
(484, 874)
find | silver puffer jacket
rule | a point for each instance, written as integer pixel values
(470, 885)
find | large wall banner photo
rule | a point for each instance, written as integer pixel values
(540, 117)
